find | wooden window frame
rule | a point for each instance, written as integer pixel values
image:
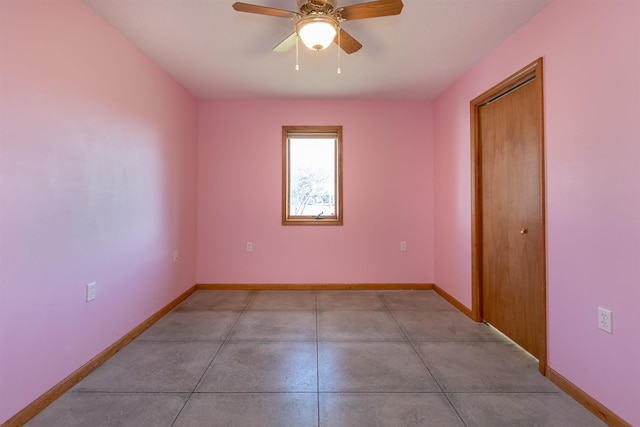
(287, 218)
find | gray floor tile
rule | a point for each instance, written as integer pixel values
(215, 300)
(414, 300)
(262, 367)
(191, 326)
(152, 367)
(358, 326)
(387, 409)
(349, 300)
(483, 366)
(275, 326)
(283, 300)
(250, 409)
(522, 409)
(111, 409)
(444, 325)
(372, 367)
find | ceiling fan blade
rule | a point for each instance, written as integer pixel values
(286, 44)
(372, 9)
(347, 43)
(262, 10)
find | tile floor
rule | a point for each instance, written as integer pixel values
(316, 358)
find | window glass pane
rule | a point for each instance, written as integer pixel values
(312, 173)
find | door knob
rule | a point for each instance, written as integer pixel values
(523, 231)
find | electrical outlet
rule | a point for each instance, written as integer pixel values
(175, 255)
(403, 246)
(249, 246)
(605, 320)
(91, 291)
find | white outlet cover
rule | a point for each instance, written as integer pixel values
(605, 320)
(91, 291)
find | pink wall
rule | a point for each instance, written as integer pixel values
(98, 183)
(591, 53)
(388, 195)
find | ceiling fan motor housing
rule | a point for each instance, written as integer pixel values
(331, 3)
(307, 7)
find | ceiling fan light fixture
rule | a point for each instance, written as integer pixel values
(317, 32)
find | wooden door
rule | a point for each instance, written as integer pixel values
(511, 213)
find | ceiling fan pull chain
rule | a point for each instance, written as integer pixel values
(339, 48)
(297, 63)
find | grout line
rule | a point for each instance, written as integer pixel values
(542, 392)
(423, 362)
(224, 340)
(315, 298)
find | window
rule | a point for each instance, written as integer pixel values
(312, 175)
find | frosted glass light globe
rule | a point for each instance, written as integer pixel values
(317, 32)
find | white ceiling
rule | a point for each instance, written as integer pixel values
(218, 53)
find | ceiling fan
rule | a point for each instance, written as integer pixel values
(318, 21)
